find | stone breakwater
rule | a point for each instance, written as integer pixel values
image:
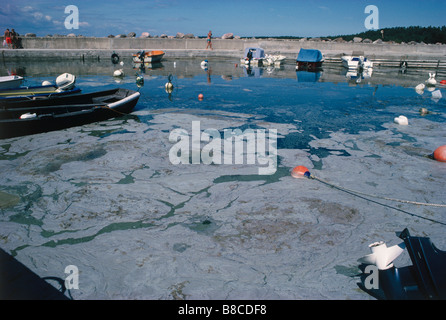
(75, 47)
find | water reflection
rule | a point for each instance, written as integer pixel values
(308, 76)
(227, 67)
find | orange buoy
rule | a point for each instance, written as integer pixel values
(440, 154)
(300, 172)
(200, 96)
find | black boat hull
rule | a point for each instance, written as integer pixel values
(58, 117)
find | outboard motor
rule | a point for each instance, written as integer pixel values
(65, 81)
(425, 279)
(142, 55)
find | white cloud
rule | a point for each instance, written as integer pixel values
(27, 9)
(37, 15)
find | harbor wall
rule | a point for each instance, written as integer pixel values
(46, 47)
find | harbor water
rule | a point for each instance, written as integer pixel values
(108, 199)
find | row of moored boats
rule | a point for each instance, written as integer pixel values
(26, 110)
(308, 59)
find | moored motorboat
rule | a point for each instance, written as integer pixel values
(65, 85)
(356, 62)
(253, 56)
(148, 56)
(10, 82)
(30, 117)
(309, 59)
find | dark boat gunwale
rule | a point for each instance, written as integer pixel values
(80, 115)
(80, 98)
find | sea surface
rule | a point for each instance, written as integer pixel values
(107, 198)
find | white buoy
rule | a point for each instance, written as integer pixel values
(46, 83)
(431, 81)
(28, 115)
(436, 95)
(121, 63)
(420, 88)
(118, 73)
(401, 120)
(204, 63)
(169, 87)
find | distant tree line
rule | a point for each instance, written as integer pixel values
(398, 34)
(403, 34)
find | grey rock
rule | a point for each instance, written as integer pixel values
(228, 36)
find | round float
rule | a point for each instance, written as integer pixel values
(440, 154)
(300, 172)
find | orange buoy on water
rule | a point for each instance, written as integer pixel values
(300, 172)
(440, 154)
(200, 96)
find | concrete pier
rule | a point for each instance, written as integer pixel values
(86, 47)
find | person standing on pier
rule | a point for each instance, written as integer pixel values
(14, 38)
(8, 38)
(209, 40)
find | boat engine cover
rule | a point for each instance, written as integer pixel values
(66, 81)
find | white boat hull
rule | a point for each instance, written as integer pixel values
(354, 63)
(10, 82)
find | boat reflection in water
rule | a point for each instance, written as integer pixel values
(308, 76)
(357, 76)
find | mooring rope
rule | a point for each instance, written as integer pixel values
(367, 197)
(378, 197)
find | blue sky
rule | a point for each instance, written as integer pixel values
(309, 18)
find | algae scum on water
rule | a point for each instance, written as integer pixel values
(107, 199)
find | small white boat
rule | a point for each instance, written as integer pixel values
(10, 82)
(356, 62)
(273, 60)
